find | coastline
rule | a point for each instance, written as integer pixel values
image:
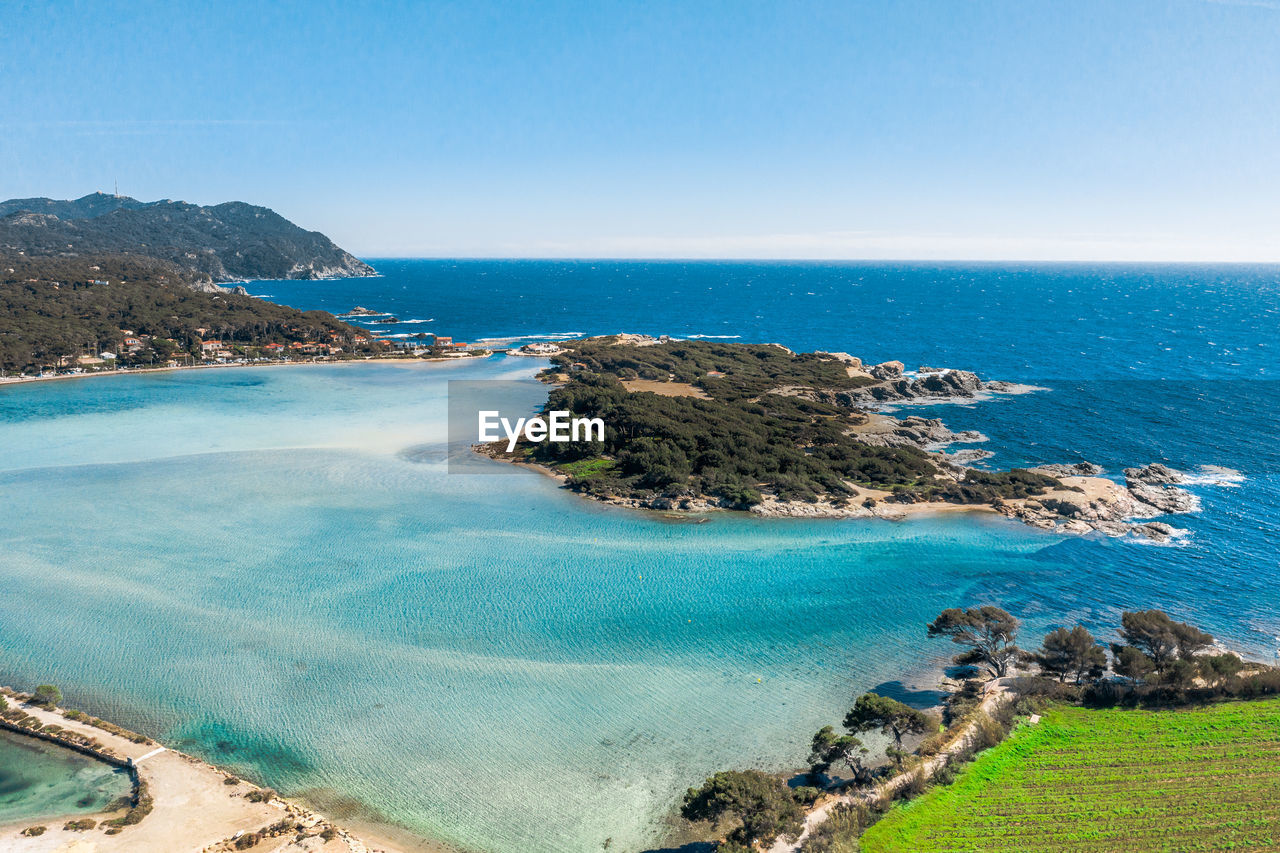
(387, 359)
(1085, 505)
(770, 508)
(195, 808)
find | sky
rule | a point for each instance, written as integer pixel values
(935, 129)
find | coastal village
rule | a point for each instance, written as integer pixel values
(208, 347)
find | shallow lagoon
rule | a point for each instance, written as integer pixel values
(40, 781)
(272, 568)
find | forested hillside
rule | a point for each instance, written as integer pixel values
(228, 242)
(54, 309)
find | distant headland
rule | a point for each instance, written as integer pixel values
(233, 241)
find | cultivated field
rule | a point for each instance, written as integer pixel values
(1108, 780)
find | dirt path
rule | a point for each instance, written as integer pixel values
(994, 694)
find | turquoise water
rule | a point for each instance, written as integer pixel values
(39, 781)
(270, 567)
(254, 569)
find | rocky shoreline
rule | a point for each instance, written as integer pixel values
(1086, 504)
(1102, 505)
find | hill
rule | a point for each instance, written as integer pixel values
(58, 312)
(233, 241)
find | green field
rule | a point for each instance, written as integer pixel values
(1080, 779)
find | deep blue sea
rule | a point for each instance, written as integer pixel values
(273, 568)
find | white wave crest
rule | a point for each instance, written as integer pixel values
(1214, 475)
(1179, 538)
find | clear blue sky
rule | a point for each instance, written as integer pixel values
(1019, 129)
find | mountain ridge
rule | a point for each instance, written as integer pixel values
(231, 241)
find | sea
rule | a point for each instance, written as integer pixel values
(273, 567)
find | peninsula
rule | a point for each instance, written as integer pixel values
(697, 426)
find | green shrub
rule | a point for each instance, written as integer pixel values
(135, 814)
(46, 695)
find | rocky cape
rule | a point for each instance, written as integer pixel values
(1084, 502)
(226, 242)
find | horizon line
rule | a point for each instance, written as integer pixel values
(775, 260)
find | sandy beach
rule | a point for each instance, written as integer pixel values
(196, 809)
(386, 359)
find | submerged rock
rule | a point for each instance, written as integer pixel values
(1158, 531)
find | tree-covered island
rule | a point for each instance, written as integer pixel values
(698, 425)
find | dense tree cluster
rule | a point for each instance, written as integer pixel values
(1161, 662)
(761, 806)
(684, 445)
(752, 434)
(50, 308)
(725, 371)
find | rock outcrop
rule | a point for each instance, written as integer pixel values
(895, 387)
(887, 370)
(1092, 503)
(1080, 469)
(925, 433)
